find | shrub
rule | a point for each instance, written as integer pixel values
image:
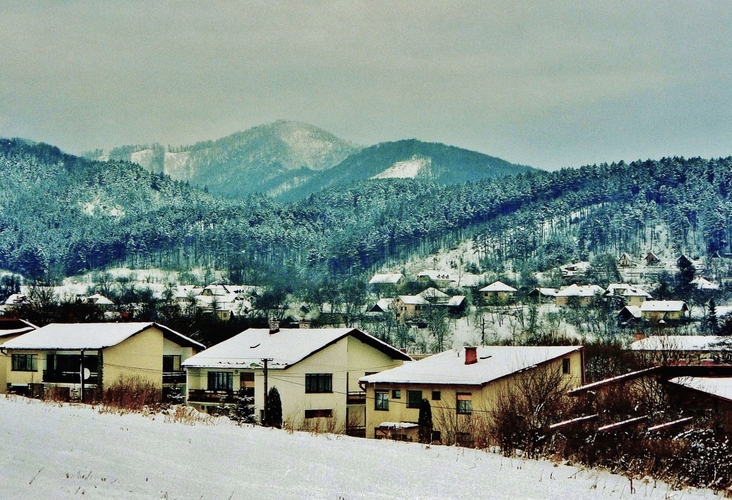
(132, 394)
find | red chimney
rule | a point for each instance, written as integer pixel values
(471, 355)
(640, 336)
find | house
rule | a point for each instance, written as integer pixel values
(625, 260)
(656, 311)
(574, 271)
(651, 259)
(544, 294)
(409, 306)
(382, 306)
(497, 293)
(684, 349)
(462, 387)
(225, 301)
(439, 278)
(10, 328)
(631, 295)
(81, 357)
(316, 372)
(584, 295)
(393, 279)
(704, 284)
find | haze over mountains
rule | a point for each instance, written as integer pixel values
(290, 160)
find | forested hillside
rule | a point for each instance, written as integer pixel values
(63, 215)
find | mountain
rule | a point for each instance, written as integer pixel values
(290, 161)
(61, 215)
(269, 158)
(409, 159)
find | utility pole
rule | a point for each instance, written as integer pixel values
(266, 384)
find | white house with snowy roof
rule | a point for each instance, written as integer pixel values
(498, 292)
(461, 385)
(79, 357)
(315, 371)
(656, 311)
(386, 279)
(584, 294)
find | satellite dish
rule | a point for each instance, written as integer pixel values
(87, 373)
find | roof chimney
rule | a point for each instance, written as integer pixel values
(274, 326)
(471, 355)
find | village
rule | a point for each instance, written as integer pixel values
(672, 377)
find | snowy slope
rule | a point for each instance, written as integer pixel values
(52, 451)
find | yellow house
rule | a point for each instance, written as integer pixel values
(462, 387)
(663, 310)
(83, 357)
(10, 328)
(497, 292)
(315, 371)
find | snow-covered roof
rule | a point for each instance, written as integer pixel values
(433, 293)
(663, 306)
(449, 368)
(681, 343)
(497, 286)
(416, 300)
(382, 305)
(580, 291)
(626, 290)
(720, 387)
(634, 311)
(386, 279)
(398, 425)
(16, 298)
(99, 300)
(546, 292)
(455, 300)
(285, 348)
(704, 284)
(77, 336)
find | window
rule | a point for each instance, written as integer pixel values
(171, 363)
(25, 362)
(382, 400)
(436, 395)
(318, 413)
(396, 394)
(318, 382)
(220, 381)
(464, 403)
(414, 399)
(436, 436)
(565, 366)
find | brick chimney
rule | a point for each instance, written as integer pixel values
(274, 326)
(640, 336)
(471, 355)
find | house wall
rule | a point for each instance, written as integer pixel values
(5, 364)
(24, 378)
(139, 356)
(445, 418)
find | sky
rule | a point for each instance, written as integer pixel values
(546, 84)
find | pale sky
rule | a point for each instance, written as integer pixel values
(546, 84)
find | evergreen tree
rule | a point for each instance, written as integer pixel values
(425, 421)
(274, 409)
(712, 322)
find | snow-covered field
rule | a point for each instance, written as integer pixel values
(73, 451)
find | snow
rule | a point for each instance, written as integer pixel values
(720, 387)
(74, 451)
(449, 367)
(75, 336)
(680, 343)
(408, 169)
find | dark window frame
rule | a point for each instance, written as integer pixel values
(566, 366)
(396, 394)
(25, 362)
(381, 400)
(220, 381)
(436, 395)
(414, 399)
(319, 413)
(318, 383)
(464, 403)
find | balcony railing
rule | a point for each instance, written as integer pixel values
(356, 398)
(178, 377)
(68, 377)
(211, 396)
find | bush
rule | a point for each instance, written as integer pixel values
(132, 394)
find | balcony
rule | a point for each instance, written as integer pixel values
(356, 398)
(212, 396)
(68, 377)
(176, 377)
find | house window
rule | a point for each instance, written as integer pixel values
(414, 399)
(464, 403)
(25, 362)
(220, 381)
(318, 413)
(171, 363)
(396, 394)
(381, 400)
(436, 395)
(436, 436)
(565, 366)
(318, 382)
